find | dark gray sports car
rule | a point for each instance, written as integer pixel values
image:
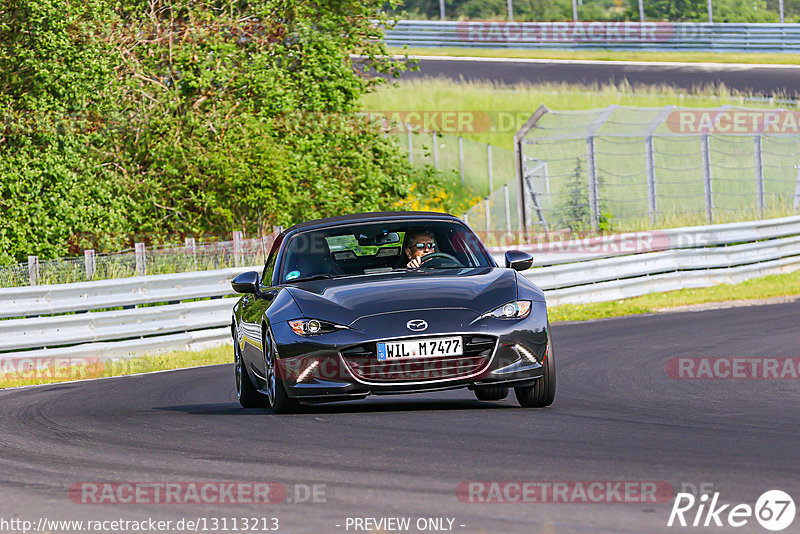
(387, 303)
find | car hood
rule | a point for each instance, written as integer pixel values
(345, 300)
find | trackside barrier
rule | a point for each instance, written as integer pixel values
(117, 318)
(589, 35)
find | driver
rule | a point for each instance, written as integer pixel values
(419, 243)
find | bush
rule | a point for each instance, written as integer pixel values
(132, 118)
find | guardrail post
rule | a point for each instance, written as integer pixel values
(510, 6)
(237, 249)
(461, 157)
(88, 262)
(410, 144)
(652, 205)
(435, 151)
(508, 208)
(191, 248)
(141, 260)
(707, 180)
(442, 13)
(489, 157)
(33, 270)
(591, 165)
(759, 164)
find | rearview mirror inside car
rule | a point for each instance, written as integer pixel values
(376, 240)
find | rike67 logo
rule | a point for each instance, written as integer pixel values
(774, 510)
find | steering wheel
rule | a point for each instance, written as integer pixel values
(440, 256)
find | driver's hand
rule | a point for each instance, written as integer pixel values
(413, 264)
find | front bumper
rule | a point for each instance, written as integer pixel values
(322, 369)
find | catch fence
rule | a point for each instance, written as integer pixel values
(640, 168)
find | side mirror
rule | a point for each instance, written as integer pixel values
(246, 283)
(518, 260)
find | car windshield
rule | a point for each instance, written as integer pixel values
(381, 247)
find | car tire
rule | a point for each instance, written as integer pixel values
(543, 391)
(278, 400)
(491, 393)
(248, 395)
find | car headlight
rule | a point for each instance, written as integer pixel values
(313, 327)
(513, 310)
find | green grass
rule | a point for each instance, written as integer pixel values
(605, 55)
(779, 285)
(621, 161)
(117, 367)
(518, 102)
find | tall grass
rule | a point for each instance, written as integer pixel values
(520, 101)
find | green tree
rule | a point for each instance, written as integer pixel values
(132, 118)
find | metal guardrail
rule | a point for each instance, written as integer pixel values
(661, 36)
(162, 312)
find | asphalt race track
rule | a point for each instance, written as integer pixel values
(618, 416)
(759, 80)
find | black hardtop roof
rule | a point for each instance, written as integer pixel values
(373, 216)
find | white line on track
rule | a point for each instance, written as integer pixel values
(704, 66)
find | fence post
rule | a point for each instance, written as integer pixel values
(759, 163)
(435, 151)
(488, 218)
(510, 6)
(594, 209)
(707, 180)
(508, 208)
(88, 262)
(652, 206)
(191, 248)
(410, 144)
(489, 156)
(797, 191)
(461, 157)
(466, 218)
(141, 260)
(33, 270)
(237, 248)
(442, 13)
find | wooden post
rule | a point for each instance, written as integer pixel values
(141, 260)
(33, 270)
(89, 263)
(237, 249)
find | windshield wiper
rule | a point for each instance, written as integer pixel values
(312, 277)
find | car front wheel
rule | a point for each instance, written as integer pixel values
(543, 391)
(248, 395)
(279, 400)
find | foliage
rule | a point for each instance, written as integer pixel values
(169, 117)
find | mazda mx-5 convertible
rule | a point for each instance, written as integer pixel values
(388, 303)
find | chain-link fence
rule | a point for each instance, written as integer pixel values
(631, 168)
(139, 261)
(486, 171)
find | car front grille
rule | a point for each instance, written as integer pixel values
(362, 362)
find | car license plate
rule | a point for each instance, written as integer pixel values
(421, 348)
